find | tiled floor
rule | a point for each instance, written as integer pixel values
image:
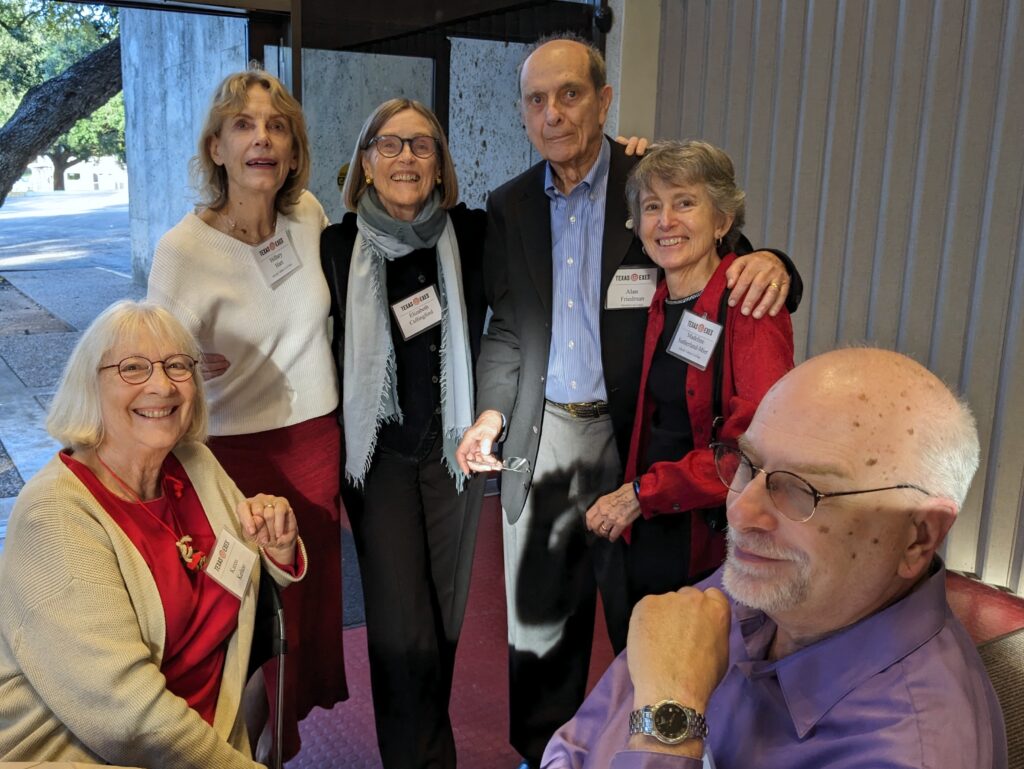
(344, 738)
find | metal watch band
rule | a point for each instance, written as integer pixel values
(642, 722)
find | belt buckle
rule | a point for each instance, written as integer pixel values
(585, 410)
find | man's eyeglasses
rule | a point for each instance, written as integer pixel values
(135, 369)
(792, 496)
(391, 146)
(516, 464)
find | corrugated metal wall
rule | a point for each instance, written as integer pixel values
(881, 144)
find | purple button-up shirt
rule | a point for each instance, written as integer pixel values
(901, 688)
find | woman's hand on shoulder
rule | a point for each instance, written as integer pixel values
(635, 145)
(212, 365)
(270, 522)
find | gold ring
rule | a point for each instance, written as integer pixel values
(269, 504)
(774, 285)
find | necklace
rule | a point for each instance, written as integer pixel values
(241, 233)
(684, 299)
(194, 560)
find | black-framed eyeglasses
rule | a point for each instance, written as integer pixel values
(390, 146)
(792, 496)
(135, 369)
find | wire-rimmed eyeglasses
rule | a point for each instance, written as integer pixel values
(516, 464)
(792, 496)
(136, 369)
(390, 146)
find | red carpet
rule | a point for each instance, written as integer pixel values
(344, 737)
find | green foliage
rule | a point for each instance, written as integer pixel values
(39, 39)
(100, 134)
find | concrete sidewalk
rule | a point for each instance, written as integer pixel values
(53, 282)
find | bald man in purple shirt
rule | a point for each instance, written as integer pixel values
(832, 644)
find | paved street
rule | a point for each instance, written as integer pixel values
(63, 258)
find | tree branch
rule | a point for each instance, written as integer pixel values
(53, 107)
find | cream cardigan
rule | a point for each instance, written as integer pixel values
(82, 635)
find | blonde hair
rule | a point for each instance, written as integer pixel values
(76, 416)
(355, 182)
(230, 98)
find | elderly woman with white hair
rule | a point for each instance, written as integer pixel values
(129, 576)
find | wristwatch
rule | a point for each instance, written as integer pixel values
(668, 722)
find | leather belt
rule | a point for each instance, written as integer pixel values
(583, 410)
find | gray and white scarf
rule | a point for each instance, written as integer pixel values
(369, 390)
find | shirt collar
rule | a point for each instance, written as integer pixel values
(814, 679)
(597, 174)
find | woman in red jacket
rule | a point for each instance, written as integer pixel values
(687, 211)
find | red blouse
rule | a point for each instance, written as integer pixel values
(200, 615)
(756, 354)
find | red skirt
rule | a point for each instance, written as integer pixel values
(303, 463)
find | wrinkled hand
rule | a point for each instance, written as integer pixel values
(270, 522)
(474, 451)
(761, 281)
(635, 145)
(212, 365)
(613, 513)
(678, 647)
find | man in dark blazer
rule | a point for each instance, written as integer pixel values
(558, 375)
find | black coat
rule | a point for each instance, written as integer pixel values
(518, 280)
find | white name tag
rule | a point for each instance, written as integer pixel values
(231, 564)
(277, 258)
(632, 287)
(417, 312)
(695, 339)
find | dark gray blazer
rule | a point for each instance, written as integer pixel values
(518, 279)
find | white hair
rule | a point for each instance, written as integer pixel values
(76, 417)
(949, 451)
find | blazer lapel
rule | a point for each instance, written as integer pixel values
(535, 222)
(617, 239)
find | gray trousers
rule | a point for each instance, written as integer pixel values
(553, 569)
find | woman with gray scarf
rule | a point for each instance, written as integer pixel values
(404, 272)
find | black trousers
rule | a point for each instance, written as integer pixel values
(415, 537)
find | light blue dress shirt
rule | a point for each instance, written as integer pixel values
(575, 372)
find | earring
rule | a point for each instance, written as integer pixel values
(718, 242)
(644, 249)
(438, 179)
(369, 180)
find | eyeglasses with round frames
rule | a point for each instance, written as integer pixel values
(135, 369)
(792, 496)
(390, 146)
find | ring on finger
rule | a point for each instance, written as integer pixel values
(775, 285)
(269, 504)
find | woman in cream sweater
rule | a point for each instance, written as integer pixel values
(120, 641)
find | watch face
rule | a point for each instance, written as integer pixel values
(670, 720)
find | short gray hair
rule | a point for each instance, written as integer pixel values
(950, 451)
(688, 163)
(76, 417)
